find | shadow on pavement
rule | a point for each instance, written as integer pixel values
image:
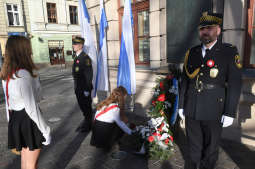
(66, 156)
(133, 162)
(166, 165)
(242, 155)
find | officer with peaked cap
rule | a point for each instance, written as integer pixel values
(210, 91)
(83, 73)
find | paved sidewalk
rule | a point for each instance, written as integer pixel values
(71, 150)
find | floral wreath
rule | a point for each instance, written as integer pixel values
(157, 135)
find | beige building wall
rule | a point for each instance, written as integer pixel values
(23, 17)
(158, 33)
(234, 25)
(39, 17)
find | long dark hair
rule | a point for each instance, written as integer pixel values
(18, 55)
(117, 96)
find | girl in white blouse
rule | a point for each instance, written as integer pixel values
(109, 120)
(27, 130)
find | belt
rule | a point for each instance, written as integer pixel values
(207, 86)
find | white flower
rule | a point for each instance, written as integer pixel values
(164, 136)
(162, 145)
(165, 128)
(173, 90)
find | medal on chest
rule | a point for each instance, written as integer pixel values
(77, 69)
(214, 72)
(213, 69)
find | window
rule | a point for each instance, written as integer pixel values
(52, 12)
(56, 52)
(73, 15)
(249, 57)
(13, 14)
(140, 9)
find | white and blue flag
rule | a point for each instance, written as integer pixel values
(126, 71)
(89, 45)
(102, 72)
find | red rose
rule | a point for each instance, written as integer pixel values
(156, 134)
(166, 141)
(150, 139)
(162, 97)
(153, 102)
(161, 85)
(161, 126)
(171, 138)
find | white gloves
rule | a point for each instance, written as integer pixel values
(47, 139)
(86, 94)
(226, 121)
(180, 112)
(182, 121)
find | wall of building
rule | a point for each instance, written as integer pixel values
(4, 25)
(42, 31)
(40, 41)
(234, 24)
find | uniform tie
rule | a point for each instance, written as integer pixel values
(207, 52)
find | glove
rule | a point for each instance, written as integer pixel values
(180, 112)
(227, 121)
(86, 94)
(47, 139)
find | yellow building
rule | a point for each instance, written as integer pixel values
(14, 19)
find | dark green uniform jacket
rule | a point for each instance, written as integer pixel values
(214, 87)
(82, 73)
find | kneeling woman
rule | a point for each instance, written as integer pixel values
(109, 120)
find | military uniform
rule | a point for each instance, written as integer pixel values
(83, 73)
(210, 88)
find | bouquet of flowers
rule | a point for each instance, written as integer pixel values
(163, 112)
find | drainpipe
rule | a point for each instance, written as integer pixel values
(24, 17)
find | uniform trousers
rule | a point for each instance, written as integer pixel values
(203, 142)
(85, 105)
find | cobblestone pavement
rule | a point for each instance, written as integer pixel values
(71, 150)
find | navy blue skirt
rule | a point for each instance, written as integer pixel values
(104, 135)
(23, 132)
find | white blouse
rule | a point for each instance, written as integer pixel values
(112, 116)
(24, 92)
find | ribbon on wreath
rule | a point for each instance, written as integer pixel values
(176, 102)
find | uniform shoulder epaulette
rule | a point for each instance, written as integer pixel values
(229, 45)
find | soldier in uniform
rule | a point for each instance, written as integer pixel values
(210, 91)
(83, 74)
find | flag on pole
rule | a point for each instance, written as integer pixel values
(89, 45)
(102, 72)
(126, 70)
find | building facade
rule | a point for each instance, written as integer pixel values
(14, 20)
(53, 25)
